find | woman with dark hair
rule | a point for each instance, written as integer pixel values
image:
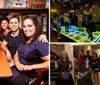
(95, 67)
(65, 66)
(32, 54)
(4, 29)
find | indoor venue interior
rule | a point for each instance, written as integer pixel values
(82, 70)
(71, 20)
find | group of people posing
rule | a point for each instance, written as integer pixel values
(26, 46)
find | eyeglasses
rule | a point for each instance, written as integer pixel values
(29, 26)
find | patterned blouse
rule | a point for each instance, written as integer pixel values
(65, 66)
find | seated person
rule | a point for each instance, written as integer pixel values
(32, 54)
(4, 29)
(11, 41)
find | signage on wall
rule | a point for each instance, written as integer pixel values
(37, 3)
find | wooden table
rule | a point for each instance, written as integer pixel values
(5, 70)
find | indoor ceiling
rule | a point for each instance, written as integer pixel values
(94, 46)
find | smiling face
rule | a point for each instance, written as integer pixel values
(64, 56)
(14, 24)
(29, 27)
(4, 24)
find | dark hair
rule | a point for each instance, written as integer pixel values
(4, 18)
(1, 34)
(15, 16)
(38, 29)
(96, 54)
(88, 51)
(2, 30)
(64, 65)
(55, 15)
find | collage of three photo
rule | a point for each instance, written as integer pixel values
(49, 42)
(74, 47)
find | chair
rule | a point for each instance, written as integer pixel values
(42, 77)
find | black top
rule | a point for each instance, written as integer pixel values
(13, 42)
(30, 54)
(91, 26)
(89, 58)
(95, 63)
(65, 66)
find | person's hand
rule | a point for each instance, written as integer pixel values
(56, 65)
(8, 55)
(27, 67)
(19, 66)
(55, 58)
(43, 38)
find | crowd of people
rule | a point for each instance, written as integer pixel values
(86, 69)
(90, 62)
(80, 18)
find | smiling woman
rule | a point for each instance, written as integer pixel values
(28, 27)
(32, 54)
(65, 66)
(31, 28)
(4, 29)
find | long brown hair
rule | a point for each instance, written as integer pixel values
(61, 58)
(1, 29)
(96, 55)
(38, 30)
(1, 34)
